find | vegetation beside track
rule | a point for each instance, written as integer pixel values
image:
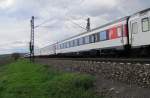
(23, 79)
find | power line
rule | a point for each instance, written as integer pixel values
(44, 22)
(88, 28)
(77, 24)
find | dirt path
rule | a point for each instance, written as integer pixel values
(106, 87)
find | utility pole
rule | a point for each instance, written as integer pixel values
(32, 40)
(88, 27)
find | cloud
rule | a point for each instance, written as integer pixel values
(6, 4)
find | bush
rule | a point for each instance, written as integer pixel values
(15, 56)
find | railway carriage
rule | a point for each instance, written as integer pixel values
(48, 50)
(139, 32)
(111, 37)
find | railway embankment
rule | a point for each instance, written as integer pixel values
(114, 79)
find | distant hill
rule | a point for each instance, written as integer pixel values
(6, 56)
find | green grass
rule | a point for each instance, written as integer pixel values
(23, 79)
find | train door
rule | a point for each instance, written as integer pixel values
(134, 32)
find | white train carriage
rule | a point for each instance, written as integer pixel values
(110, 36)
(139, 29)
(48, 50)
(37, 52)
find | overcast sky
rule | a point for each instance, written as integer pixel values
(59, 15)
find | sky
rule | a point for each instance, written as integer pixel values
(59, 16)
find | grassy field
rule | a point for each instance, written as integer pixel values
(23, 79)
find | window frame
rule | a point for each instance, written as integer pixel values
(91, 38)
(75, 42)
(87, 39)
(97, 37)
(106, 32)
(136, 28)
(142, 21)
(71, 43)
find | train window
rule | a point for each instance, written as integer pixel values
(61, 46)
(134, 28)
(83, 38)
(64, 46)
(67, 44)
(145, 24)
(119, 31)
(87, 40)
(96, 37)
(92, 38)
(113, 33)
(80, 41)
(76, 42)
(71, 43)
(103, 36)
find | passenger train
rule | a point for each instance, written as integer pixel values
(126, 36)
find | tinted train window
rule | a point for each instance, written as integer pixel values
(71, 43)
(87, 39)
(76, 42)
(61, 46)
(134, 28)
(83, 40)
(68, 45)
(92, 38)
(145, 24)
(96, 37)
(80, 41)
(65, 45)
(103, 35)
(113, 33)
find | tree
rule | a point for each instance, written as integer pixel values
(15, 56)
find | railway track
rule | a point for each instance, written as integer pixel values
(117, 60)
